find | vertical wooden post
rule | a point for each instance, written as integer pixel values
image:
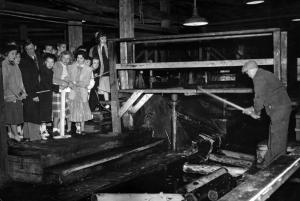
(2, 3)
(283, 59)
(165, 11)
(3, 136)
(174, 98)
(23, 31)
(277, 54)
(116, 121)
(126, 19)
(74, 34)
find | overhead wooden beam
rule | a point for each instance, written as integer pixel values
(87, 4)
(192, 64)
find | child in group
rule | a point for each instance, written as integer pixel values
(45, 93)
(61, 79)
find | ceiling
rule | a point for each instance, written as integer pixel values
(221, 14)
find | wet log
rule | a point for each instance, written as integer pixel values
(203, 180)
(230, 161)
(208, 169)
(213, 190)
(137, 197)
(238, 155)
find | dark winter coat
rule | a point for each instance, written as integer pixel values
(30, 73)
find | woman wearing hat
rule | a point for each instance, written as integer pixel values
(14, 91)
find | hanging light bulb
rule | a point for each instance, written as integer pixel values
(195, 20)
(254, 2)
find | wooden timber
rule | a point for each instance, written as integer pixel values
(260, 186)
(208, 168)
(277, 54)
(283, 57)
(192, 64)
(230, 160)
(115, 105)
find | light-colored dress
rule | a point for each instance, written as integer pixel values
(80, 76)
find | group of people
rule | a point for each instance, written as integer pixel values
(33, 84)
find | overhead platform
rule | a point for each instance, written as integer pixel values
(180, 90)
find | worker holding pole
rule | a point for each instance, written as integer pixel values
(271, 95)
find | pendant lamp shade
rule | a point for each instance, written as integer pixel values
(254, 2)
(195, 20)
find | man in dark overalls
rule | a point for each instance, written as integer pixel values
(271, 95)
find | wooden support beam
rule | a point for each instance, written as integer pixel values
(75, 34)
(126, 20)
(283, 58)
(190, 91)
(3, 136)
(212, 35)
(165, 10)
(277, 54)
(128, 104)
(182, 40)
(191, 64)
(140, 103)
(2, 3)
(23, 31)
(115, 105)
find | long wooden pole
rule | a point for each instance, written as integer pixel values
(222, 99)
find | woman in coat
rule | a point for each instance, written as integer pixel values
(14, 92)
(80, 76)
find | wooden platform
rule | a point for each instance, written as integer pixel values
(261, 185)
(28, 162)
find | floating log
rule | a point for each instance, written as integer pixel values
(137, 197)
(202, 181)
(238, 155)
(230, 161)
(207, 169)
